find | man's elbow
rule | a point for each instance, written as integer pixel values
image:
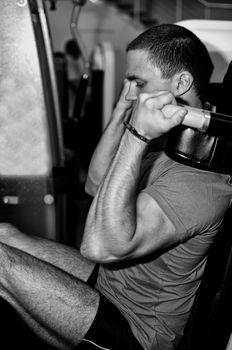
(101, 255)
(90, 187)
(97, 254)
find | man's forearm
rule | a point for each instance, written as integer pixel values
(105, 152)
(109, 142)
(111, 221)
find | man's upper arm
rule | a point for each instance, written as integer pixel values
(154, 230)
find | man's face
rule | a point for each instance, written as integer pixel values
(143, 76)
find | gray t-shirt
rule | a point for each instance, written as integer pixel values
(156, 295)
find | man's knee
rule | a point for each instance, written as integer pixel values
(7, 230)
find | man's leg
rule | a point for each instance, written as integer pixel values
(64, 257)
(56, 305)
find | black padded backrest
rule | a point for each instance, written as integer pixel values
(225, 105)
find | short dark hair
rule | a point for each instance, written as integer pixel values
(173, 48)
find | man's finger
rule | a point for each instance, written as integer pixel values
(178, 117)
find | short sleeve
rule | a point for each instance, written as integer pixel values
(194, 200)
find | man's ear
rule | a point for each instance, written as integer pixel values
(182, 83)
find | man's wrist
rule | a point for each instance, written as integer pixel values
(134, 132)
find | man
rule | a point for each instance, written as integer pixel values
(150, 224)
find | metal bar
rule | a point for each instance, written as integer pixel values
(74, 30)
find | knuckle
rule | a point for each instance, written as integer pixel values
(142, 97)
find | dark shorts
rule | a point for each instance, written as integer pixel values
(109, 330)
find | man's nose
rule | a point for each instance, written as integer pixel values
(132, 93)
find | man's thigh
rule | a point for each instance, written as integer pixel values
(59, 255)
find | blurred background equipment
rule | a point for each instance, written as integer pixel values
(31, 151)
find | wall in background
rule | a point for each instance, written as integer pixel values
(97, 23)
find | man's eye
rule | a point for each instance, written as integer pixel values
(140, 84)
